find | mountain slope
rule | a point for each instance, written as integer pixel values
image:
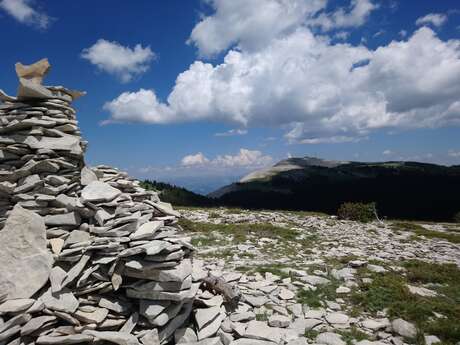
(401, 189)
(177, 195)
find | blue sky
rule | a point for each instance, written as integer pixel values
(199, 93)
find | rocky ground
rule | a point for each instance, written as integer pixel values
(309, 278)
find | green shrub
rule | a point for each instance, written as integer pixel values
(357, 211)
(457, 217)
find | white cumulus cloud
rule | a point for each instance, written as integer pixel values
(251, 24)
(279, 71)
(116, 59)
(244, 158)
(314, 88)
(355, 16)
(247, 158)
(23, 12)
(196, 159)
(140, 106)
(436, 19)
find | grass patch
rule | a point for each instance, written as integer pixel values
(222, 254)
(202, 241)
(276, 269)
(240, 232)
(389, 290)
(314, 298)
(307, 213)
(311, 334)
(352, 335)
(262, 317)
(422, 231)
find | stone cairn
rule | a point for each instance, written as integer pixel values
(86, 255)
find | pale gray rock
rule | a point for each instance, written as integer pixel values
(150, 309)
(149, 248)
(183, 295)
(198, 273)
(130, 323)
(95, 316)
(115, 305)
(205, 316)
(56, 180)
(25, 263)
(35, 324)
(299, 341)
(114, 337)
(278, 320)
(376, 268)
(66, 219)
(209, 341)
(66, 142)
(150, 338)
(431, 339)
(15, 321)
(185, 335)
(286, 294)
(98, 191)
(176, 274)
(225, 338)
(63, 301)
(76, 270)
(211, 328)
(65, 339)
(337, 318)
(368, 342)
(242, 316)
(146, 230)
(103, 216)
(259, 330)
(314, 280)
(175, 323)
(87, 176)
(404, 328)
(299, 325)
(166, 208)
(8, 333)
(346, 273)
(16, 305)
(315, 313)
(246, 341)
(329, 338)
(29, 183)
(77, 236)
(343, 290)
(375, 324)
(421, 291)
(256, 301)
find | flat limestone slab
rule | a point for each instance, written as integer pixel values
(25, 264)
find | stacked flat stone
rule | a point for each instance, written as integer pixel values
(41, 155)
(86, 255)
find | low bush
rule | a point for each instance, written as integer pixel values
(357, 211)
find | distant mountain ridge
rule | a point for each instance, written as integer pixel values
(401, 189)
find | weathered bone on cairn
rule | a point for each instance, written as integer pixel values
(86, 255)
